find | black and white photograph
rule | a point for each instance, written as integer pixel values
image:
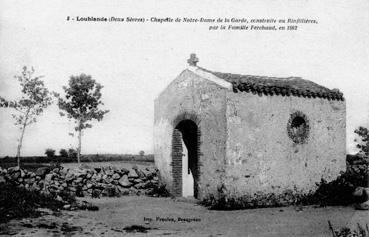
(184, 118)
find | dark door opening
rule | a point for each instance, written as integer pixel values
(187, 131)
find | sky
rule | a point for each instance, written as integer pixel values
(136, 61)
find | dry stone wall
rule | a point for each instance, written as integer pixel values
(94, 182)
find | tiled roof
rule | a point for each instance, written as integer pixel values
(289, 86)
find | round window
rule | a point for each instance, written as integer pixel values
(298, 127)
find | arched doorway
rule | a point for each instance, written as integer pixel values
(185, 159)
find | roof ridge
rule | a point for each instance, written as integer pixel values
(285, 86)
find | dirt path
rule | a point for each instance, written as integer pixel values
(159, 217)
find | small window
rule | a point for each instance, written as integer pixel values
(298, 128)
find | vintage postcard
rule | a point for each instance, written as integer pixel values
(184, 118)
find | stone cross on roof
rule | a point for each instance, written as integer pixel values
(193, 60)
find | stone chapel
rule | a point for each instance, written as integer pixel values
(252, 136)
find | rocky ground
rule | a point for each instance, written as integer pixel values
(148, 216)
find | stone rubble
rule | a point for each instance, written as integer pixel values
(81, 182)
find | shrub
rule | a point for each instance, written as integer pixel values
(360, 231)
(159, 190)
(340, 191)
(17, 202)
(63, 153)
(50, 152)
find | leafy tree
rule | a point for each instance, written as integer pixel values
(50, 152)
(363, 145)
(81, 103)
(72, 153)
(35, 98)
(363, 142)
(63, 153)
(141, 153)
